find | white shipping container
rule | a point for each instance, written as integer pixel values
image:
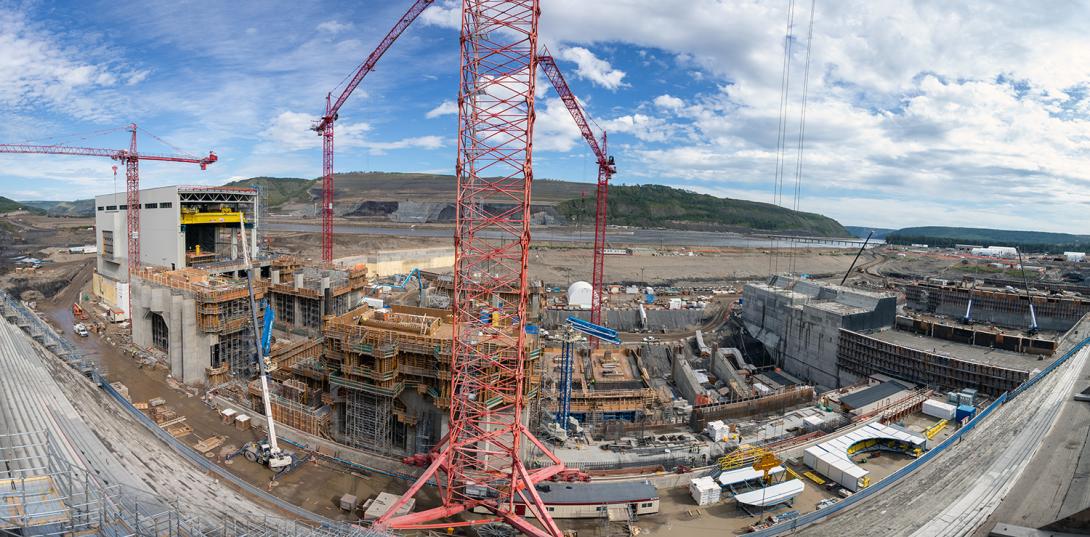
(938, 409)
(373, 302)
(704, 490)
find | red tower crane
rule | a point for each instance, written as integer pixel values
(324, 126)
(606, 169)
(478, 465)
(131, 157)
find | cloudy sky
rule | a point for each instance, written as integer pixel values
(955, 113)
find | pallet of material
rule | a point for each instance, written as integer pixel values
(158, 401)
(174, 421)
(179, 430)
(163, 414)
(140, 406)
(208, 444)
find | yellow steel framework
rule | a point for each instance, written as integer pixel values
(223, 216)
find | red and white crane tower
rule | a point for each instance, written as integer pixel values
(478, 464)
(131, 157)
(606, 169)
(324, 126)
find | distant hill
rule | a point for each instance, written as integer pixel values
(278, 191)
(663, 206)
(1028, 241)
(862, 231)
(9, 206)
(422, 197)
(379, 194)
(78, 208)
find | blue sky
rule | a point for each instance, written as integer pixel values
(918, 113)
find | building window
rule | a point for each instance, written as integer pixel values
(601, 508)
(166, 205)
(151, 205)
(111, 207)
(107, 243)
(124, 207)
(648, 504)
(100, 207)
(160, 335)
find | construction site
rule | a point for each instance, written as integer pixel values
(206, 367)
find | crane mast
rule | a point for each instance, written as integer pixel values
(479, 464)
(324, 126)
(606, 169)
(131, 158)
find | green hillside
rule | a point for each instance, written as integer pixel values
(9, 206)
(1029, 241)
(663, 206)
(78, 208)
(279, 190)
(639, 205)
(862, 231)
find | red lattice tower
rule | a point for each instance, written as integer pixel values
(478, 464)
(324, 126)
(132, 197)
(327, 184)
(606, 169)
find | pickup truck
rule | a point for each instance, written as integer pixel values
(81, 330)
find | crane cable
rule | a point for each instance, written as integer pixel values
(802, 121)
(781, 131)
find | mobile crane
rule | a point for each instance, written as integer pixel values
(266, 452)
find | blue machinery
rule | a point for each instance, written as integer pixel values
(567, 355)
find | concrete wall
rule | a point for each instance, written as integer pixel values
(685, 379)
(628, 320)
(799, 323)
(390, 262)
(189, 349)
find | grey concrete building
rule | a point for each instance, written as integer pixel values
(174, 222)
(799, 323)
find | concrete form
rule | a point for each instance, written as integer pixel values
(799, 322)
(934, 362)
(1001, 307)
(607, 385)
(201, 319)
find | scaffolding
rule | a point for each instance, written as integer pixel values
(53, 497)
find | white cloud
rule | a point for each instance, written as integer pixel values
(593, 68)
(41, 71)
(643, 127)
(291, 131)
(445, 108)
(669, 102)
(554, 128)
(445, 14)
(334, 27)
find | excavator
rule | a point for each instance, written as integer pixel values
(266, 452)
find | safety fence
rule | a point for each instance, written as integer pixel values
(893, 478)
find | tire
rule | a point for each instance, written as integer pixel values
(250, 456)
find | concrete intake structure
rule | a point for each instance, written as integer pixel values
(799, 322)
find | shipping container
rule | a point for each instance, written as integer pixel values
(938, 409)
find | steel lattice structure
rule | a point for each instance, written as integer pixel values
(478, 464)
(606, 169)
(131, 158)
(324, 126)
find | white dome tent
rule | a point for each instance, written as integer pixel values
(580, 295)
